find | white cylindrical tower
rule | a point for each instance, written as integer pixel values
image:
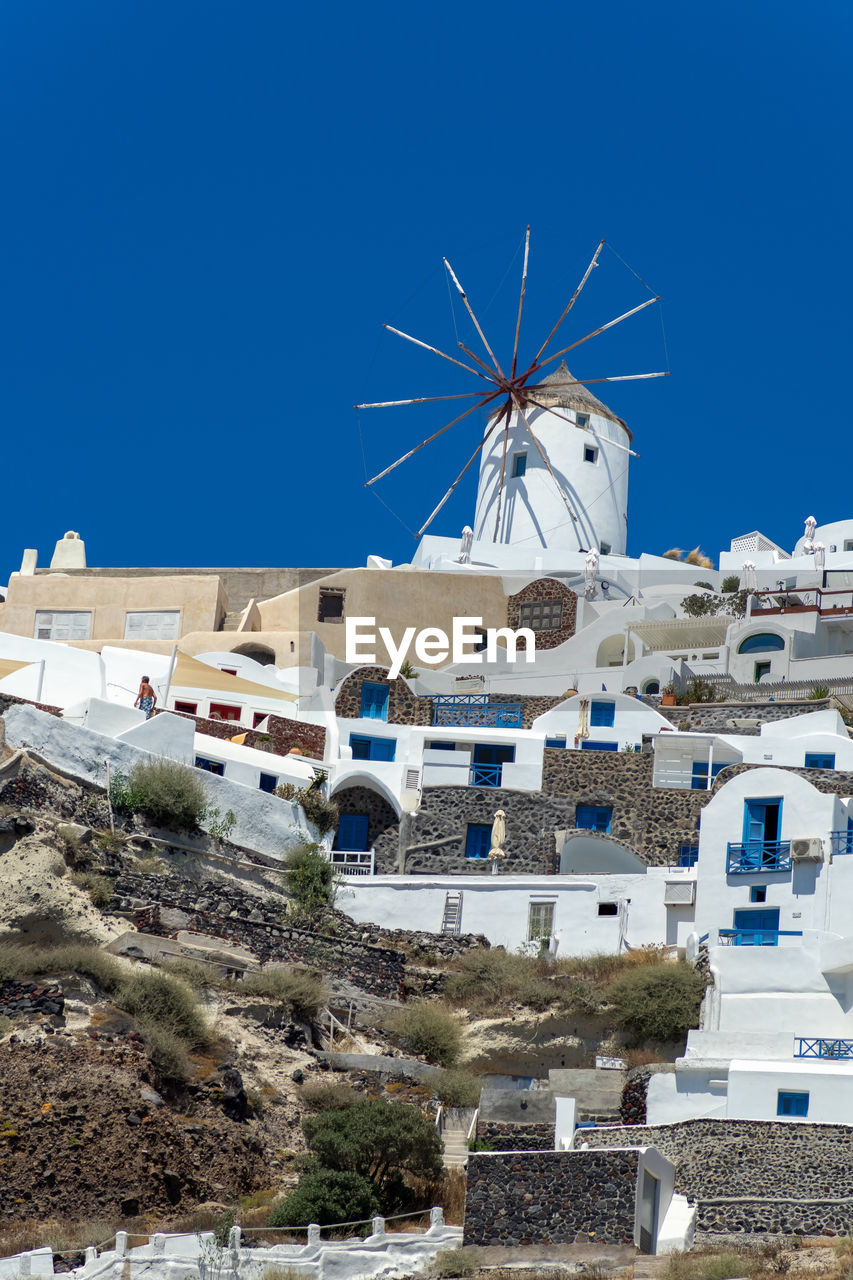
(587, 447)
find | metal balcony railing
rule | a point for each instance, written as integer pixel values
(808, 1048)
(475, 711)
(758, 856)
(486, 775)
(756, 937)
(840, 842)
(352, 862)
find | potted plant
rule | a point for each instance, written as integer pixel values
(668, 692)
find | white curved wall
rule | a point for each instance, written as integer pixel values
(532, 512)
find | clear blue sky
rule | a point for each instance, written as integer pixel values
(210, 207)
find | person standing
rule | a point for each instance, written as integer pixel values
(146, 699)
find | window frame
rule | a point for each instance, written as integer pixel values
(539, 615)
(53, 614)
(519, 465)
(478, 836)
(331, 593)
(157, 632)
(792, 1102)
(602, 714)
(215, 767)
(596, 809)
(541, 913)
(816, 760)
(220, 707)
(593, 450)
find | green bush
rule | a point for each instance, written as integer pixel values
(455, 1088)
(819, 692)
(489, 979)
(99, 888)
(157, 999)
(730, 583)
(169, 793)
(320, 812)
(302, 992)
(311, 883)
(328, 1097)
(167, 1052)
(657, 1002)
(327, 1196)
(429, 1031)
(382, 1141)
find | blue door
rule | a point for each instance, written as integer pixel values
(374, 701)
(352, 832)
(487, 764)
(762, 821)
(757, 928)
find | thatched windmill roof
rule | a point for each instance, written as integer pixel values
(576, 396)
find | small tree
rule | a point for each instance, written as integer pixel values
(311, 883)
(730, 583)
(171, 794)
(430, 1031)
(657, 1002)
(327, 1196)
(379, 1140)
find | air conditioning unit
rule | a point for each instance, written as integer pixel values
(679, 893)
(810, 850)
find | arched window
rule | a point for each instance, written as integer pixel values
(764, 642)
(651, 686)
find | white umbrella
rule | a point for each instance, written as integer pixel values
(811, 526)
(819, 550)
(498, 836)
(466, 545)
(589, 571)
(748, 579)
(583, 719)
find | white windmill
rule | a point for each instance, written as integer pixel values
(548, 439)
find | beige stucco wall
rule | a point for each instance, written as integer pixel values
(397, 598)
(201, 602)
(228, 641)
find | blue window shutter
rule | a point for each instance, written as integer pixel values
(820, 760)
(364, 748)
(602, 715)
(790, 1103)
(478, 840)
(374, 701)
(590, 817)
(268, 782)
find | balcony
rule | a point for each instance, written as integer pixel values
(352, 862)
(756, 937)
(475, 711)
(486, 775)
(840, 842)
(758, 856)
(835, 1049)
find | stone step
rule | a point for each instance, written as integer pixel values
(232, 620)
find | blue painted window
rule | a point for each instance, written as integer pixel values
(758, 893)
(352, 832)
(374, 701)
(364, 748)
(519, 465)
(792, 1104)
(764, 642)
(688, 855)
(820, 760)
(478, 839)
(602, 715)
(590, 817)
(762, 821)
(555, 742)
(268, 782)
(210, 766)
(586, 745)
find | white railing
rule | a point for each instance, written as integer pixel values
(351, 862)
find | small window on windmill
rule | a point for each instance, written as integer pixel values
(519, 465)
(331, 607)
(582, 419)
(590, 453)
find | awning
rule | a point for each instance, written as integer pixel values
(8, 667)
(684, 633)
(190, 673)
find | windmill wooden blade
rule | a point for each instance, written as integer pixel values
(572, 300)
(596, 332)
(426, 346)
(424, 527)
(484, 400)
(392, 404)
(508, 411)
(520, 302)
(543, 455)
(481, 363)
(463, 295)
(617, 377)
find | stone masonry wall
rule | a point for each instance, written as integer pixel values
(163, 905)
(404, 706)
(545, 589)
(551, 1197)
(774, 1217)
(758, 1159)
(279, 737)
(502, 1135)
(713, 717)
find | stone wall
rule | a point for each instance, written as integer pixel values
(544, 589)
(551, 1197)
(713, 717)
(8, 700)
(404, 706)
(774, 1217)
(20, 998)
(163, 905)
(503, 1135)
(724, 1163)
(279, 737)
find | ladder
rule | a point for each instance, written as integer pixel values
(452, 918)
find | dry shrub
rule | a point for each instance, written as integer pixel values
(456, 1088)
(640, 1057)
(429, 1031)
(99, 888)
(194, 974)
(487, 980)
(452, 1196)
(457, 1262)
(303, 992)
(328, 1097)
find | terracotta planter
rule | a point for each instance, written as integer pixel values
(667, 700)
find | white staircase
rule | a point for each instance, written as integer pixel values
(455, 1125)
(451, 921)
